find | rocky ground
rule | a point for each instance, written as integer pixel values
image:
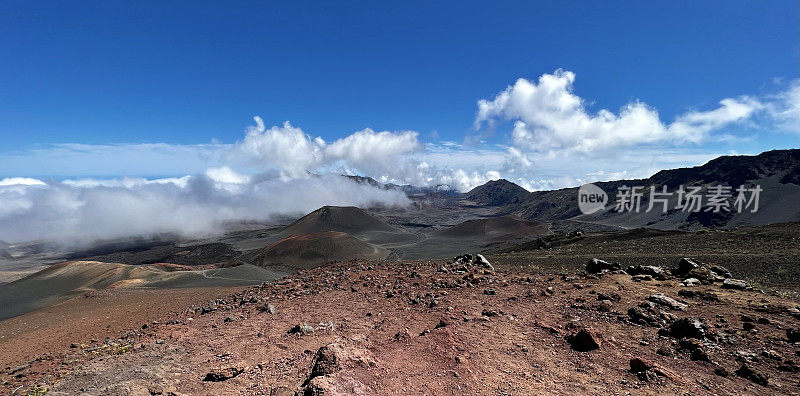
(443, 327)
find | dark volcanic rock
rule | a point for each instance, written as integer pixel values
(721, 271)
(687, 328)
(639, 365)
(302, 329)
(222, 374)
(746, 372)
(793, 335)
(584, 340)
(684, 266)
(595, 266)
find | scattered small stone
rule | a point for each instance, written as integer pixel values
(703, 295)
(489, 292)
(609, 297)
(721, 371)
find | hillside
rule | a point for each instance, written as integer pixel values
(497, 193)
(773, 170)
(308, 250)
(337, 218)
(496, 228)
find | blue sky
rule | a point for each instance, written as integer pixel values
(190, 73)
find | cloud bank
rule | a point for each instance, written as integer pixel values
(78, 212)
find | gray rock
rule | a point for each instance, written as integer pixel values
(690, 282)
(661, 299)
(736, 284)
(302, 329)
(483, 262)
(651, 270)
(721, 271)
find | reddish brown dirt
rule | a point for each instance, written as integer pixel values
(486, 333)
(95, 315)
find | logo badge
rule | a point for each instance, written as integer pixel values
(591, 199)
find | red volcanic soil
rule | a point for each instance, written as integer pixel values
(306, 250)
(496, 228)
(438, 328)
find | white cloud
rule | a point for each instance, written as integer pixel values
(784, 108)
(373, 152)
(226, 175)
(550, 117)
(25, 181)
(287, 148)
